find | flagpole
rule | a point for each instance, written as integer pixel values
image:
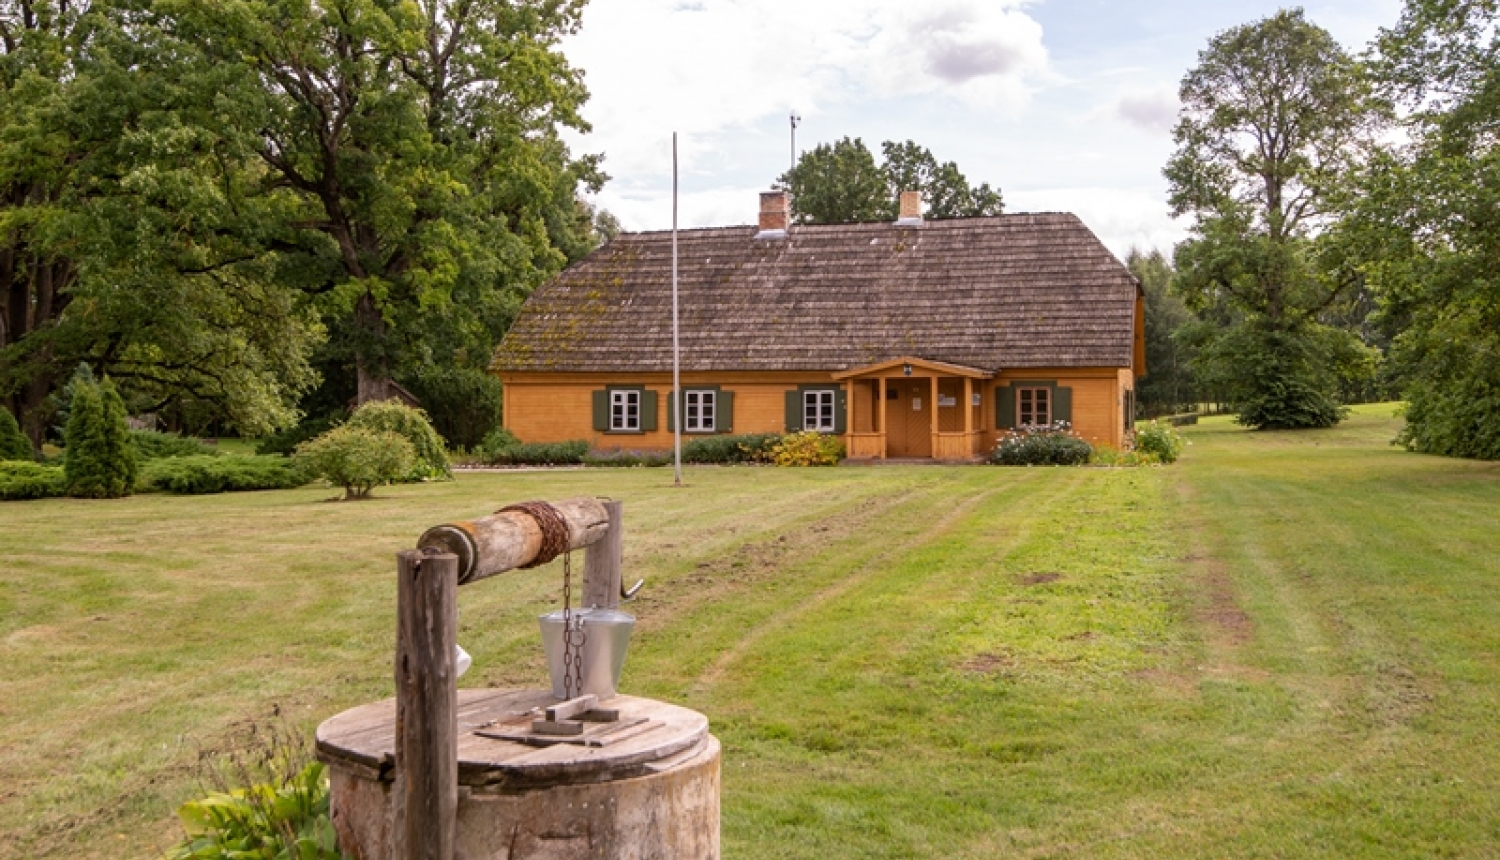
(677, 404)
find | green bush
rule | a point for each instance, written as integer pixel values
(393, 416)
(747, 448)
(627, 458)
(1158, 440)
(569, 453)
(495, 442)
(286, 442)
(212, 474)
(806, 448)
(1048, 445)
(463, 403)
(151, 445)
(13, 443)
(98, 459)
(20, 479)
(357, 459)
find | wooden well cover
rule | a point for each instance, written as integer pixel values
(362, 740)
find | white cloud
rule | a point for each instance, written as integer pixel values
(1121, 217)
(712, 69)
(1152, 111)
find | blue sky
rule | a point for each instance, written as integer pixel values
(1065, 105)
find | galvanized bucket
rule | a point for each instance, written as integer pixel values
(606, 636)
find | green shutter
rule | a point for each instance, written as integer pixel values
(648, 411)
(672, 413)
(601, 410)
(724, 412)
(794, 410)
(1005, 407)
(1062, 404)
(841, 411)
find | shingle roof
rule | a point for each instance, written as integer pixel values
(1027, 290)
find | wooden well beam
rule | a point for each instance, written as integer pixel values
(510, 539)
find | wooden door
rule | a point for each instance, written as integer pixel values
(909, 412)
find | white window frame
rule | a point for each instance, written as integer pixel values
(819, 408)
(700, 410)
(1036, 409)
(625, 410)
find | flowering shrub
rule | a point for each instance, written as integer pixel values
(1045, 445)
(1160, 440)
(807, 448)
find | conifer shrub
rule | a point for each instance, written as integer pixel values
(152, 445)
(214, 474)
(98, 459)
(393, 416)
(357, 458)
(13, 443)
(20, 479)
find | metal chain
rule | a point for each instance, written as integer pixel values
(572, 653)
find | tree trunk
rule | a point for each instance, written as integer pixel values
(371, 367)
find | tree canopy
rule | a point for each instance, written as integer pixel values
(841, 183)
(216, 203)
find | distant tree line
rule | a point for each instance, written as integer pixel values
(1344, 241)
(243, 212)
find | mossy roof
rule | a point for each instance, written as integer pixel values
(1010, 291)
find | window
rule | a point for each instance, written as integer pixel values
(1033, 407)
(699, 409)
(818, 410)
(624, 411)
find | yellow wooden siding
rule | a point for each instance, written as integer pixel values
(558, 407)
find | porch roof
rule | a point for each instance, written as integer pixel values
(939, 368)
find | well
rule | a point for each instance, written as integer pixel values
(643, 787)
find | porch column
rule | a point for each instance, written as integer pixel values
(884, 436)
(968, 406)
(934, 415)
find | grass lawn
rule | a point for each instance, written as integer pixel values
(1283, 646)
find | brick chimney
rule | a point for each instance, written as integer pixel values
(775, 212)
(911, 209)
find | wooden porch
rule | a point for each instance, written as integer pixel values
(913, 408)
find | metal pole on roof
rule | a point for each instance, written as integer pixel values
(677, 403)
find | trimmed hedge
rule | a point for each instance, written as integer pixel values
(747, 448)
(212, 474)
(20, 479)
(151, 445)
(569, 453)
(627, 458)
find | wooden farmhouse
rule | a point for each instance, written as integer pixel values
(912, 339)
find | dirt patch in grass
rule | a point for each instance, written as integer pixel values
(1040, 578)
(1218, 609)
(987, 663)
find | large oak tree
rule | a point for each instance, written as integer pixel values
(1273, 118)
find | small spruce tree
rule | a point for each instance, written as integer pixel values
(98, 460)
(13, 443)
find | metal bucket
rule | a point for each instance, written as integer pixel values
(606, 635)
